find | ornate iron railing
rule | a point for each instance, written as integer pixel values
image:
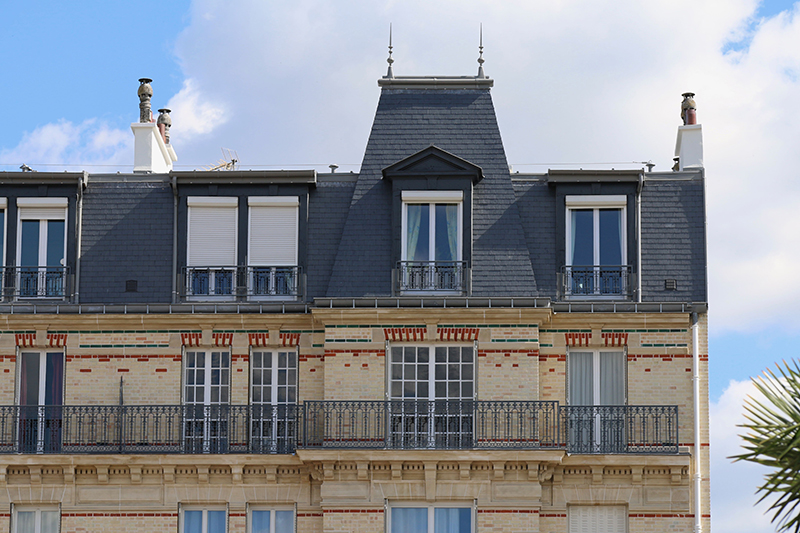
(149, 429)
(444, 276)
(395, 424)
(251, 282)
(597, 281)
(620, 428)
(35, 282)
(435, 424)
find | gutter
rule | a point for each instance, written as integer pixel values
(639, 236)
(82, 184)
(698, 476)
(174, 184)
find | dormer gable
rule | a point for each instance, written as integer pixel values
(433, 162)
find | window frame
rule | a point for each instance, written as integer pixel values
(204, 520)
(596, 203)
(273, 279)
(274, 370)
(597, 352)
(431, 368)
(431, 198)
(251, 508)
(431, 507)
(38, 509)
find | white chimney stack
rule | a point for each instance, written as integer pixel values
(151, 153)
(689, 147)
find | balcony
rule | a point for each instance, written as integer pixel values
(387, 425)
(36, 282)
(596, 282)
(620, 428)
(441, 277)
(234, 283)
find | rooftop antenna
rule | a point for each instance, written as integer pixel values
(389, 73)
(229, 161)
(481, 74)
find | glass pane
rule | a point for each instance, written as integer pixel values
(466, 355)
(257, 394)
(581, 380)
(55, 242)
(409, 520)
(282, 359)
(193, 522)
(422, 372)
(256, 359)
(54, 379)
(409, 390)
(441, 354)
(284, 522)
(259, 522)
(410, 355)
(397, 389)
(397, 371)
(26, 522)
(422, 354)
(257, 377)
(422, 390)
(50, 521)
(216, 521)
(452, 520)
(611, 237)
(397, 354)
(29, 251)
(582, 237)
(29, 382)
(408, 373)
(446, 232)
(466, 390)
(466, 371)
(417, 232)
(612, 378)
(454, 354)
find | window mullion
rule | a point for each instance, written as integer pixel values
(431, 523)
(432, 232)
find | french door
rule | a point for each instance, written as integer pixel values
(41, 388)
(431, 393)
(273, 397)
(206, 401)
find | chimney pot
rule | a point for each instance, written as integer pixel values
(688, 109)
(164, 123)
(145, 92)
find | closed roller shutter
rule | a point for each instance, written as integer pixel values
(273, 235)
(598, 519)
(212, 236)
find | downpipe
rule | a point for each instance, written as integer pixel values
(698, 476)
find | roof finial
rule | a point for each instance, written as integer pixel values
(481, 74)
(389, 73)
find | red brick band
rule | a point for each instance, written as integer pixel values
(458, 334)
(578, 339)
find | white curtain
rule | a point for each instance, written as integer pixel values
(413, 221)
(193, 522)
(453, 520)
(409, 520)
(581, 378)
(612, 378)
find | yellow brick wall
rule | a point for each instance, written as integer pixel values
(311, 378)
(8, 366)
(508, 374)
(507, 521)
(125, 522)
(94, 380)
(355, 375)
(553, 377)
(352, 521)
(309, 522)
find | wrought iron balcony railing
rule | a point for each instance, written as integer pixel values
(603, 281)
(35, 282)
(232, 282)
(620, 428)
(395, 425)
(432, 276)
(435, 424)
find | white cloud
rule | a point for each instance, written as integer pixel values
(192, 113)
(91, 145)
(733, 485)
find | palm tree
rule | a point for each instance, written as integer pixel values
(773, 440)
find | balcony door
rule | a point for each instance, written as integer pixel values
(211, 247)
(42, 245)
(206, 400)
(41, 391)
(431, 393)
(596, 420)
(273, 377)
(272, 259)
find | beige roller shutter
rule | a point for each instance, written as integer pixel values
(598, 519)
(273, 232)
(212, 235)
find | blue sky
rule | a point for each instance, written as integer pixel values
(598, 84)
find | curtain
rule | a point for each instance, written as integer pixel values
(454, 520)
(284, 522)
(50, 521)
(54, 380)
(581, 378)
(413, 221)
(409, 520)
(612, 378)
(193, 522)
(216, 521)
(260, 522)
(446, 232)
(611, 237)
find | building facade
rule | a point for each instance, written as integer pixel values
(433, 344)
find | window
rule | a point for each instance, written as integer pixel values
(40, 395)
(596, 397)
(432, 392)
(598, 519)
(273, 378)
(41, 253)
(431, 241)
(438, 519)
(211, 246)
(596, 251)
(272, 246)
(206, 396)
(203, 521)
(36, 520)
(271, 521)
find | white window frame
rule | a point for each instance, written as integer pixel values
(274, 375)
(596, 203)
(227, 202)
(432, 198)
(207, 420)
(39, 509)
(431, 507)
(432, 368)
(271, 278)
(595, 524)
(596, 355)
(205, 510)
(251, 508)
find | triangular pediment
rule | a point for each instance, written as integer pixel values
(433, 162)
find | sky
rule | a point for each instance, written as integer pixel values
(577, 84)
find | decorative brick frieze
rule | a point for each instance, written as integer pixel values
(458, 334)
(290, 339)
(222, 339)
(191, 339)
(577, 339)
(25, 339)
(258, 339)
(404, 334)
(615, 339)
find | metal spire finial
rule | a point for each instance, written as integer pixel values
(389, 73)
(481, 74)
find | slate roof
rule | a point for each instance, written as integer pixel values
(462, 122)
(127, 235)
(537, 207)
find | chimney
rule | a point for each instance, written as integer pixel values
(152, 152)
(689, 147)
